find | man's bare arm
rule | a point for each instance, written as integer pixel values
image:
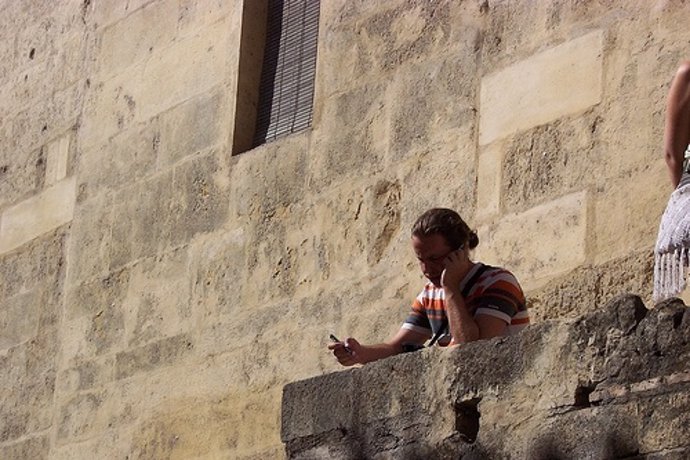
(350, 351)
(461, 324)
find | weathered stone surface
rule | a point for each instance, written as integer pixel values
(81, 416)
(548, 160)
(36, 264)
(160, 353)
(86, 375)
(18, 320)
(199, 200)
(141, 220)
(351, 136)
(204, 116)
(29, 369)
(423, 119)
(157, 302)
(585, 289)
(34, 448)
(122, 160)
(489, 179)
(22, 173)
(36, 125)
(618, 228)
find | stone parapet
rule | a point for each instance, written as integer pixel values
(614, 383)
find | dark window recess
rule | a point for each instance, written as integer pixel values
(286, 91)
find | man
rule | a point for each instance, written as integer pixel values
(463, 301)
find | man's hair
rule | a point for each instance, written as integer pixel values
(448, 224)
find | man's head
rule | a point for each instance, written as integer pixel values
(437, 233)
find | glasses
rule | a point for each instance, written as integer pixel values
(439, 259)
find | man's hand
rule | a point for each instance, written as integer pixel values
(457, 265)
(348, 352)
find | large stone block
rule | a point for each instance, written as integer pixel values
(93, 335)
(193, 126)
(533, 89)
(124, 159)
(331, 409)
(28, 374)
(664, 421)
(390, 35)
(37, 215)
(351, 136)
(141, 220)
(552, 160)
(165, 83)
(551, 240)
(92, 297)
(44, 70)
(217, 276)
(215, 427)
(33, 264)
(430, 106)
(200, 200)
(259, 189)
(104, 14)
(158, 299)
(82, 416)
(164, 352)
(138, 36)
(19, 318)
(89, 247)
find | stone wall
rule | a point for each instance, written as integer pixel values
(611, 384)
(156, 291)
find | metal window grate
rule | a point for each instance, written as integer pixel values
(286, 90)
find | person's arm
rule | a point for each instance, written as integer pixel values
(350, 351)
(677, 127)
(462, 325)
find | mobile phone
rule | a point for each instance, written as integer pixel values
(335, 339)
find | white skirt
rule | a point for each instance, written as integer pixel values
(673, 246)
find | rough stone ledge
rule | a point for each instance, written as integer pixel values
(609, 384)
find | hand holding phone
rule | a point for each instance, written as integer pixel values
(336, 340)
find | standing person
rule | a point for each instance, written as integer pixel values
(673, 242)
(463, 301)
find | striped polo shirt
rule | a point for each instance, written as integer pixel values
(496, 293)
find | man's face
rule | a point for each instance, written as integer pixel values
(431, 252)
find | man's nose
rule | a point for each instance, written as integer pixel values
(424, 266)
(428, 266)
